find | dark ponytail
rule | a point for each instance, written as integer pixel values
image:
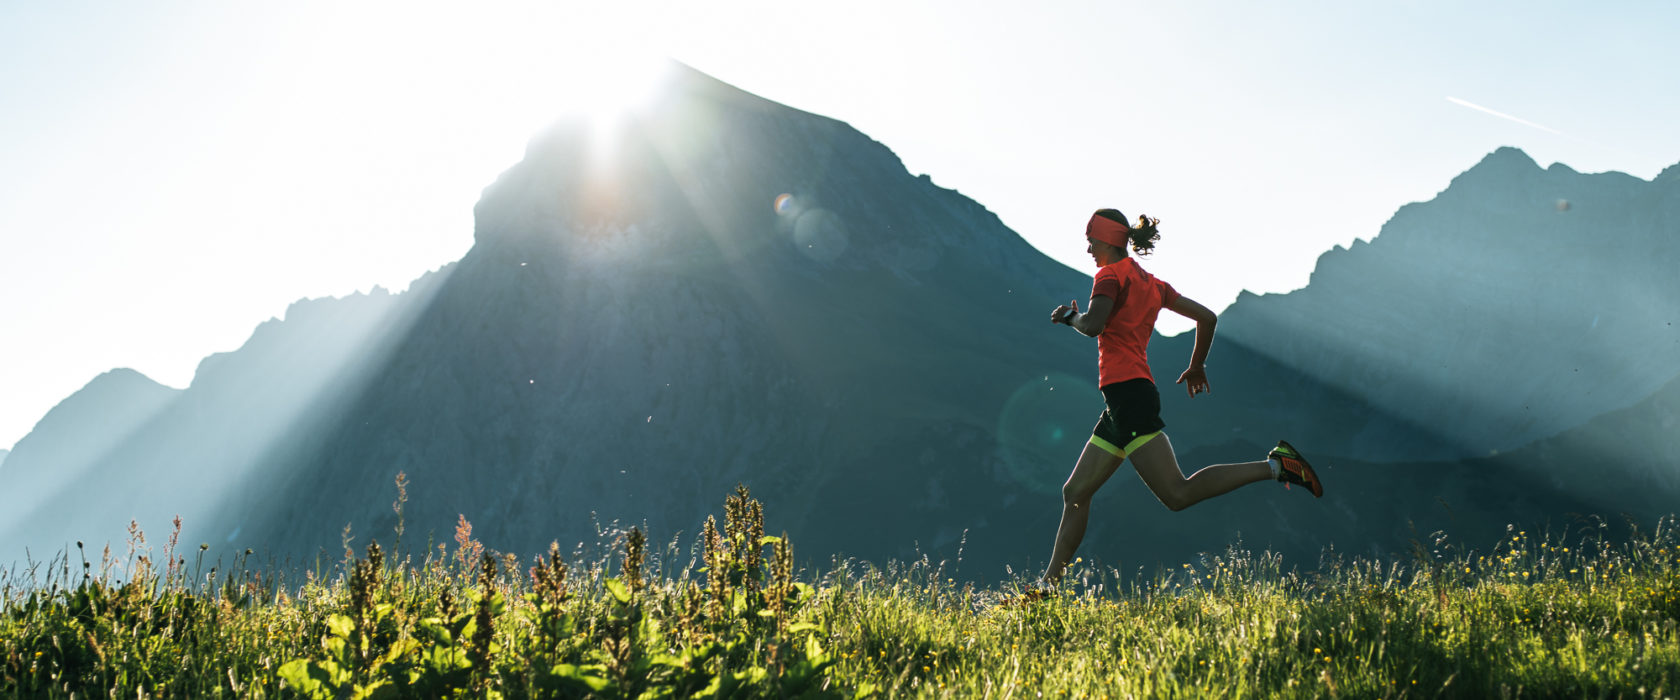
(1142, 235)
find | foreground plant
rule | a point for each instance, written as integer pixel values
(625, 638)
(1530, 616)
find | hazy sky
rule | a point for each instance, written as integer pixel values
(173, 173)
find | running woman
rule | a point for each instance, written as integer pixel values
(1125, 301)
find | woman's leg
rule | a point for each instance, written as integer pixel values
(1158, 467)
(1094, 467)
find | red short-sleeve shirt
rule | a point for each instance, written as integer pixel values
(1122, 348)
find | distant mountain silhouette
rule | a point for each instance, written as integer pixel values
(1518, 303)
(124, 447)
(732, 291)
(92, 427)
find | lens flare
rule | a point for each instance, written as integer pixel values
(784, 204)
(820, 235)
(1043, 426)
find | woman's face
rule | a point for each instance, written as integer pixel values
(1102, 252)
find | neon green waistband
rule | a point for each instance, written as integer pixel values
(1130, 447)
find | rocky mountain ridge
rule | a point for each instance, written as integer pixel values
(1518, 303)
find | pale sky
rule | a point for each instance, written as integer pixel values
(173, 173)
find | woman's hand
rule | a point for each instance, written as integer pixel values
(1061, 315)
(1196, 377)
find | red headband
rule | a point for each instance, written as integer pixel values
(1108, 231)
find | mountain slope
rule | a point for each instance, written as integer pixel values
(1518, 303)
(177, 453)
(92, 426)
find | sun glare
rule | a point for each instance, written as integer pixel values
(608, 88)
(614, 85)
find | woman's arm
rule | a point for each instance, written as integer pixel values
(1196, 375)
(1089, 324)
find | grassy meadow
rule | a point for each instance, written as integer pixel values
(730, 616)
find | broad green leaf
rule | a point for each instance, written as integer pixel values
(578, 674)
(619, 591)
(377, 690)
(340, 626)
(400, 649)
(337, 649)
(668, 660)
(813, 648)
(336, 675)
(302, 677)
(434, 629)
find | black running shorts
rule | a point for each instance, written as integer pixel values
(1131, 418)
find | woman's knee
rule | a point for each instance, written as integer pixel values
(1075, 494)
(1176, 497)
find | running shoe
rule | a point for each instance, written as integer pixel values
(1293, 468)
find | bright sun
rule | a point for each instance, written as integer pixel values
(615, 84)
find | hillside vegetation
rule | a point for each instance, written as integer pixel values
(730, 616)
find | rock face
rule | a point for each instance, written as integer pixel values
(728, 291)
(1518, 303)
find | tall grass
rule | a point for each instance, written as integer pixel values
(1536, 616)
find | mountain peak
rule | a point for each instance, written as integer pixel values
(1503, 161)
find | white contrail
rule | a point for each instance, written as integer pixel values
(1503, 115)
